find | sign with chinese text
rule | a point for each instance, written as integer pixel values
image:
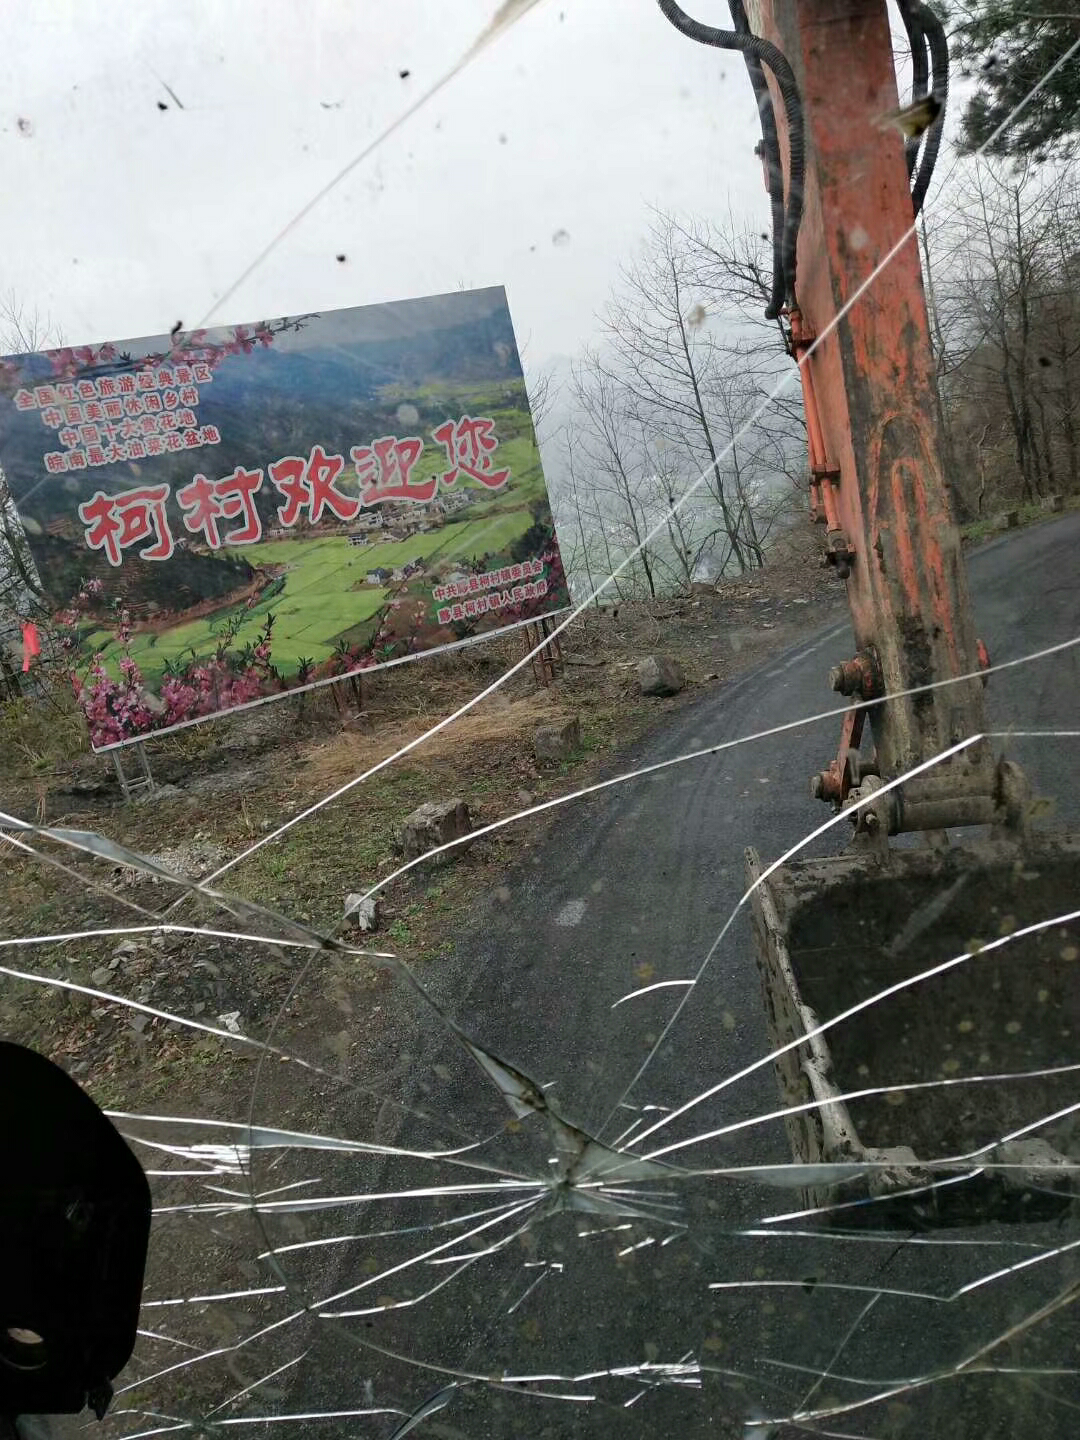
(224, 515)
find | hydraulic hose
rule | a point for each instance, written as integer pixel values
(767, 54)
(920, 69)
(770, 145)
(939, 62)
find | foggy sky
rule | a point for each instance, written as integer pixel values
(534, 168)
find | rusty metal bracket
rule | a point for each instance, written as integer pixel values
(861, 676)
(839, 552)
(845, 772)
(872, 815)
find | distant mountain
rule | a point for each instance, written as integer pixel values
(480, 350)
(65, 565)
(280, 400)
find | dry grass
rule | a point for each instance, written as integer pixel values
(495, 721)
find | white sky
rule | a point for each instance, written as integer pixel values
(122, 219)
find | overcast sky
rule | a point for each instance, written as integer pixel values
(534, 167)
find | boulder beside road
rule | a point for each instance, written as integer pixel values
(660, 675)
(557, 741)
(436, 822)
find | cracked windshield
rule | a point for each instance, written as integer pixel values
(539, 827)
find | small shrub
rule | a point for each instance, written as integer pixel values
(40, 731)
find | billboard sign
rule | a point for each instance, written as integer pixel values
(222, 516)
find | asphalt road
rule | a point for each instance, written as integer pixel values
(633, 887)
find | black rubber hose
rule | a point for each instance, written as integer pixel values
(770, 144)
(920, 71)
(939, 61)
(768, 55)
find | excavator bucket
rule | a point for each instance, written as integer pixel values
(924, 1007)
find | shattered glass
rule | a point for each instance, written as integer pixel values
(679, 1247)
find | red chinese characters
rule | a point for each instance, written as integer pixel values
(490, 579)
(469, 445)
(116, 522)
(223, 511)
(385, 471)
(310, 484)
(205, 502)
(491, 603)
(156, 399)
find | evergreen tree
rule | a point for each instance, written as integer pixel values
(1008, 46)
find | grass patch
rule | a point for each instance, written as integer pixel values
(40, 732)
(987, 526)
(401, 934)
(310, 870)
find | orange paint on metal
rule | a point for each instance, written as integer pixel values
(839, 778)
(800, 343)
(828, 498)
(868, 379)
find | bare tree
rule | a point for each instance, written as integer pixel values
(690, 521)
(607, 429)
(22, 331)
(543, 391)
(677, 445)
(733, 264)
(692, 372)
(581, 534)
(759, 453)
(657, 358)
(1057, 336)
(1005, 262)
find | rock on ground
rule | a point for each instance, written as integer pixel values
(158, 793)
(363, 914)
(434, 823)
(660, 675)
(198, 856)
(557, 741)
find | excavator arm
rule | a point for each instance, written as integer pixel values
(880, 937)
(860, 334)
